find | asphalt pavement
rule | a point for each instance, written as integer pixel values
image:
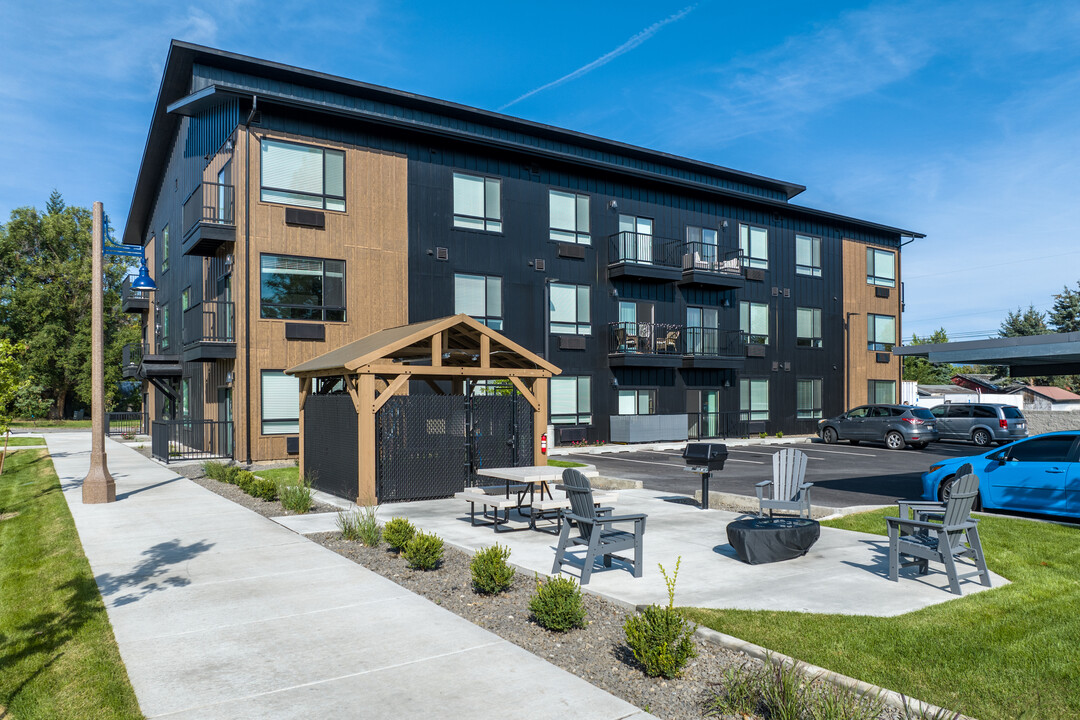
(843, 475)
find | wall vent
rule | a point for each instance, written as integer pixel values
(881, 292)
(305, 218)
(571, 342)
(884, 357)
(305, 331)
(541, 264)
(570, 250)
(754, 350)
(442, 253)
(755, 274)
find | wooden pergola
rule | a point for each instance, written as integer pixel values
(455, 349)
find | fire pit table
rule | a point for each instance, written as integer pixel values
(764, 540)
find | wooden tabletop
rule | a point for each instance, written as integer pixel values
(524, 474)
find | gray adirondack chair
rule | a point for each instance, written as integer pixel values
(788, 491)
(591, 527)
(950, 535)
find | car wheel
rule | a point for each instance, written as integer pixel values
(829, 436)
(854, 442)
(981, 438)
(894, 441)
(946, 490)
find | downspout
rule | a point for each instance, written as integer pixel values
(247, 277)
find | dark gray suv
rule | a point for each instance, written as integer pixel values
(981, 423)
(894, 425)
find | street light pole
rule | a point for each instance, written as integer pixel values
(99, 486)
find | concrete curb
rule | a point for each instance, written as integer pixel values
(889, 697)
(679, 445)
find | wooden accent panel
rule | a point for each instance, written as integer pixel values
(860, 300)
(371, 236)
(365, 438)
(540, 418)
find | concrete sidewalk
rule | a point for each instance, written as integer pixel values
(221, 613)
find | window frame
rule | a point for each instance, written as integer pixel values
(750, 337)
(583, 414)
(165, 326)
(489, 223)
(580, 327)
(165, 249)
(813, 340)
(495, 322)
(262, 405)
(745, 246)
(871, 392)
(872, 342)
(748, 413)
(322, 308)
(813, 413)
(579, 236)
(872, 277)
(812, 270)
(639, 394)
(323, 196)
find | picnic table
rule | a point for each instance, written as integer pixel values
(525, 490)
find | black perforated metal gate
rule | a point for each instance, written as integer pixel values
(430, 446)
(330, 451)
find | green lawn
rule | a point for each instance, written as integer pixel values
(564, 463)
(51, 423)
(992, 655)
(287, 474)
(19, 441)
(58, 657)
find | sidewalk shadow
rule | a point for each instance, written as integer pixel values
(129, 493)
(152, 574)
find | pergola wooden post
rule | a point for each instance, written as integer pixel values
(455, 348)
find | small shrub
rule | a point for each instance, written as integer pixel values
(490, 572)
(557, 605)
(368, 529)
(296, 497)
(262, 488)
(214, 470)
(782, 692)
(779, 433)
(348, 522)
(242, 479)
(660, 638)
(739, 693)
(763, 435)
(398, 532)
(424, 551)
(829, 702)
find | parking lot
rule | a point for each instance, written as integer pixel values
(843, 475)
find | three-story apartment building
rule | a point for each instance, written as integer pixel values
(286, 212)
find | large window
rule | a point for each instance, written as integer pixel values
(303, 175)
(1053, 448)
(164, 326)
(754, 243)
(571, 400)
(703, 241)
(569, 217)
(280, 403)
(185, 398)
(808, 327)
(753, 399)
(880, 332)
(808, 398)
(637, 402)
(881, 392)
(880, 267)
(165, 248)
(479, 296)
(569, 309)
(298, 288)
(808, 255)
(477, 203)
(754, 322)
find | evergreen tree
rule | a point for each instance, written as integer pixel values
(1065, 315)
(1024, 322)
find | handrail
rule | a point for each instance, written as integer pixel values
(713, 342)
(645, 338)
(210, 321)
(210, 203)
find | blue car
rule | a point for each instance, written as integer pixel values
(1040, 475)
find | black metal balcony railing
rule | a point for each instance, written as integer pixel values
(132, 355)
(632, 247)
(709, 258)
(173, 440)
(713, 342)
(647, 338)
(211, 321)
(704, 425)
(211, 203)
(127, 293)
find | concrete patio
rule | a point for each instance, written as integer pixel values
(845, 572)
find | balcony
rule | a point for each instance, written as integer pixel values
(133, 301)
(143, 362)
(718, 425)
(713, 348)
(645, 344)
(706, 264)
(208, 219)
(644, 257)
(209, 331)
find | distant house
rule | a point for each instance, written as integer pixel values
(980, 383)
(1048, 397)
(929, 391)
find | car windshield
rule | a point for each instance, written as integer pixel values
(1012, 413)
(922, 413)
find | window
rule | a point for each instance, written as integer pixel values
(165, 248)
(881, 391)
(753, 399)
(479, 296)
(297, 288)
(185, 398)
(635, 239)
(808, 255)
(569, 309)
(164, 326)
(477, 203)
(702, 333)
(754, 322)
(637, 402)
(569, 217)
(808, 398)
(704, 242)
(981, 411)
(754, 243)
(185, 300)
(303, 175)
(880, 267)
(280, 403)
(571, 400)
(880, 332)
(1053, 448)
(808, 327)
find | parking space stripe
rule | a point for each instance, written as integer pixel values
(843, 452)
(653, 462)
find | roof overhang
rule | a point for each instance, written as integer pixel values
(1053, 354)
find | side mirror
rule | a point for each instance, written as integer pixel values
(998, 457)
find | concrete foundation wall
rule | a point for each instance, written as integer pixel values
(1042, 421)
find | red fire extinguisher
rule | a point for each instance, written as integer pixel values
(543, 444)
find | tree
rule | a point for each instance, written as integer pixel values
(923, 371)
(15, 384)
(1024, 322)
(45, 278)
(1065, 315)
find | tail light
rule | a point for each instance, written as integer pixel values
(1004, 424)
(913, 421)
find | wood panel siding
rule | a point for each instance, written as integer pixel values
(860, 300)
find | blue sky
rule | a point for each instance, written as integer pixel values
(960, 120)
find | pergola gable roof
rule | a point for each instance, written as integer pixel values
(459, 339)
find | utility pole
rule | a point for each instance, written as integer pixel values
(99, 486)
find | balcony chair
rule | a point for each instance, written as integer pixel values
(669, 343)
(591, 527)
(625, 342)
(941, 534)
(789, 492)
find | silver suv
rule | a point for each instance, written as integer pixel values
(981, 423)
(895, 425)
